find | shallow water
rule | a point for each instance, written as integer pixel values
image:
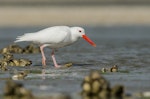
(125, 46)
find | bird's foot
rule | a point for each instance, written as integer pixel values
(58, 66)
(44, 62)
(43, 66)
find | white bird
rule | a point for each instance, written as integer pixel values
(55, 37)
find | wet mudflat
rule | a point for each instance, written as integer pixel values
(125, 46)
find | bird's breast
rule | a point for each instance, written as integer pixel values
(59, 45)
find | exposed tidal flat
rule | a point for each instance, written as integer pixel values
(127, 47)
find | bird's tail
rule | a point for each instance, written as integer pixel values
(25, 37)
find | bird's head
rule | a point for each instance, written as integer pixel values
(80, 32)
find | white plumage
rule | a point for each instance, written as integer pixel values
(55, 37)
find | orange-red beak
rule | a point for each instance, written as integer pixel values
(88, 40)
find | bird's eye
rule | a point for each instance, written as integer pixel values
(79, 30)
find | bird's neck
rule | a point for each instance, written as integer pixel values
(74, 37)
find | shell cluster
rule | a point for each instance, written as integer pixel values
(68, 64)
(17, 49)
(95, 86)
(9, 60)
(13, 90)
(20, 75)
(112, 69)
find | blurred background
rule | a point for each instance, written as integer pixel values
(120, 28)
(18, 13)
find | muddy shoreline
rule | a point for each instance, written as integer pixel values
(127, 47)
(74, 15)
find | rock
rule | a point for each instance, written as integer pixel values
(114, 68)
(117, 91)
(24, 62)
(4, 63)
(16, 62)
(68, 65)
(4, 50)
(59, 96)
(31, 49)
(146, 94)
(9, 88)
(86, 88)
(17, 49)
(11, 63)
(94, 86)
(87, 79)
(8, 56)
(142, 95)
(103, 70)
(20, 75)
(3, 68)
(13, 90)
(9, 60)
(104, 94)
(95, 75)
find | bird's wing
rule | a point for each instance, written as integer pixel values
(53, 35)
(57, 34)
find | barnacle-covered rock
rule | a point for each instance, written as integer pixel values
(114, 68)
(7, 56)
(117, 91)
(31, 49)
(3, 68)
(24, 62)
(4, 50)
(111, 69)
(9, 60)
(17, 49)
(13, 90)
(19, 75)
(94, 86)
(68, 64)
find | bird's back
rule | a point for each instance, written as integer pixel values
(50, 35)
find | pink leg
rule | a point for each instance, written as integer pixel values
(43, 74)
(54, 60)
(43, 55)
